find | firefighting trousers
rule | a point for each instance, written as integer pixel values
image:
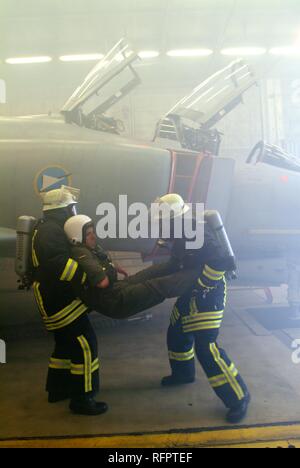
(190, 338)
(74, 364)
(142, 291)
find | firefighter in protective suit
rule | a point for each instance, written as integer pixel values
(122, 299)
(74, 366)
(195, 324)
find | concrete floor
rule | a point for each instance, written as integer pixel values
(133, 360)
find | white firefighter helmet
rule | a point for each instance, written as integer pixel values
(74, 228)
(171, 205)
(60, 198)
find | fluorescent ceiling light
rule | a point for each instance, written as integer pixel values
(147, 54)
(243, 51)
(25, 60)
(285, 51)
(190, 53)
(81, 57)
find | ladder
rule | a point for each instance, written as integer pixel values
(184, 173)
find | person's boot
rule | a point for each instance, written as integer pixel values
(55, 397)
(88, 406)
(172, 380)
(239, 412)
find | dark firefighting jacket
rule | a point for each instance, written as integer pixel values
(212, 267)
(57, 276)
(96, 263)
(202, 308)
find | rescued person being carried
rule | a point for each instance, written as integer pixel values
(103, 292)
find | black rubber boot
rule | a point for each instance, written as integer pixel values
(239, 412)
(171, 380)
(88, 406)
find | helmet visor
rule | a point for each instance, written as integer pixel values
(72, 209)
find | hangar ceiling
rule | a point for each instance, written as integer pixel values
(55, 27)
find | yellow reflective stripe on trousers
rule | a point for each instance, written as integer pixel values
(70, 319)
(39, 300)
(220, 380)
(182, 356)
(87, 355)
(34, 257)
(64, 312)
(69, 271)
(202, 316)
(78, 369)
(229, 374)
(64, 364)
(62, 318)
(198, 326)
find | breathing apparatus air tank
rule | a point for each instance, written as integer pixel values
(225, 251)
(23, 261)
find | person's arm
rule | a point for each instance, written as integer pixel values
(96, 273)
